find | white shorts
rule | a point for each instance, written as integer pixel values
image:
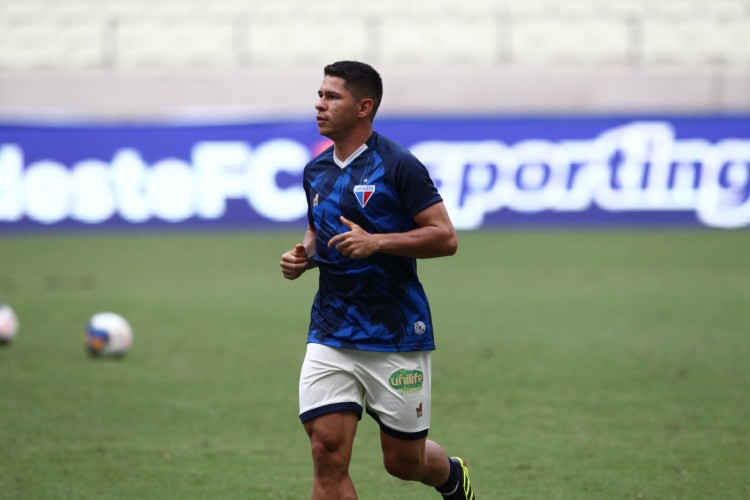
(393, 387)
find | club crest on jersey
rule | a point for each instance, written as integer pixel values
(363, 192)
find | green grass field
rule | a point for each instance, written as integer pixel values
(570, 365)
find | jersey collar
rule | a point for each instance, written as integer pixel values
(352, 157)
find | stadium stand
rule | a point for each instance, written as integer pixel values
(570, 41)
(696, 41)
(300, 42)
(120, 32)
(472, 40)
(163, 45)
(116, 38)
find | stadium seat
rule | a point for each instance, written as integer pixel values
(269, 43)
(49, 45)
(696, 42)
(604, 41)
(328, 10)
(476, 8)
(725, 9)
(459, 40)
(225, 10)
(532, 9)
(20, 12)
(674, 10)
(26, 46)
(583, 9)
(627, 9)
(83, 45)
(122, 11)
(193, 45)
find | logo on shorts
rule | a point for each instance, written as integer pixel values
(420, 328)
(406, 381)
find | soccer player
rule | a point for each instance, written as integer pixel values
(372, 211)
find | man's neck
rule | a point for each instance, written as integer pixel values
(343, 148)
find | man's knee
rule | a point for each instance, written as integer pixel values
(326, 451)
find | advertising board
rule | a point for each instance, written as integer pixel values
(492, 172)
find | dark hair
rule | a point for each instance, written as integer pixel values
(361, 80)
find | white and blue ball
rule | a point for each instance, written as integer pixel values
(8, 324)
(108, 335)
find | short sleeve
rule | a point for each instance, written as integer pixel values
(413, 184)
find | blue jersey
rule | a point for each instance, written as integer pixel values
(376, 303)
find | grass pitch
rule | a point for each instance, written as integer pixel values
(570, 365)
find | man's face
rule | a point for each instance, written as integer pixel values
(337, 108)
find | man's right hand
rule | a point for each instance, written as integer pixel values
(294, 262)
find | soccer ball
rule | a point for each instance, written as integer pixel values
(108, 334)
(8, 324)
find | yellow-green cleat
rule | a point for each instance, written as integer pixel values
(465, 491)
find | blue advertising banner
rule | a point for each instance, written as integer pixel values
(492, 172)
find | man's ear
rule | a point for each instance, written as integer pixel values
(365, 107)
